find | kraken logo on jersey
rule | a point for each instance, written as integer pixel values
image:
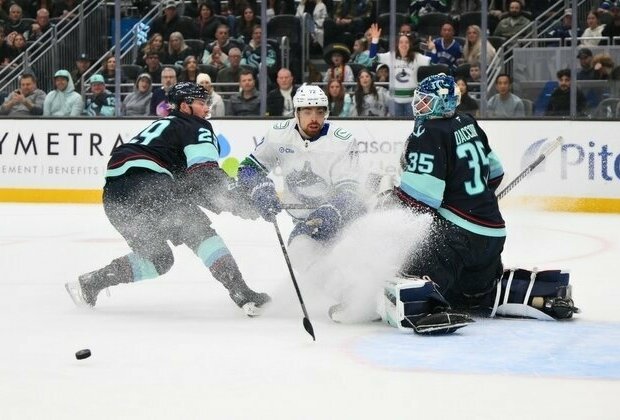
(306, 186)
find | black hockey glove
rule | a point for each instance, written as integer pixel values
(266, 200)
(239, 203)
(324, 222)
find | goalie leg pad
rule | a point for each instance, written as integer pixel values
(544, 295)
(415, 303)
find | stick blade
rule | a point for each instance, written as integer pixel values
(308, 328)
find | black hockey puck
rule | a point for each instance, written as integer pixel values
(82, 354)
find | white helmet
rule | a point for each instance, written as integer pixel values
(310, 95)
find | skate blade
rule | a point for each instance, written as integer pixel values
(75, 292)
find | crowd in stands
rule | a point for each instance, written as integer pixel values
(218, 45)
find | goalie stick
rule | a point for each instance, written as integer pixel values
(306, 321)
(528, 170)
(543, 155)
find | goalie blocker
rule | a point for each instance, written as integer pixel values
(415, 303)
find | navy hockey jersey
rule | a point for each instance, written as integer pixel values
(448, 165)
(169, 145)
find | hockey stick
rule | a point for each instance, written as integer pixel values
(306, 322)
(543, 155)
(298, 206)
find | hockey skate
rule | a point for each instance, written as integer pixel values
(84, 292)
(251, 302)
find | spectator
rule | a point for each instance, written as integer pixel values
(563, 29)
(467, 103)
(171, 22)
(63, 101)
(217, 108)
(336, 56)
(138, 102)
(382, 75)
(245, 25)
(505, 104)
(17, 45)
(223, 41)
(39, 26)
(474, 77)
(404, 69)
(217, 59)
(559, 103)
(613, 29)
(178, 50)
(369, 100)
(190, 70)
(235, 7)
(81, 65)
(318, 11)
(361, 54)
(586, 72)
(473, 46)
(206, 23)
(513, 23)
(246, 102)
(16, 23)
(594, 30)
(155, 44)
(445, 50)
(108, 71)
(26, 101)
(101, 102)
(340, 102)
(231, 73)
(280, 99)
(251, 54)
(603, 65)
(159, 101)
(153, 66)
(353, 15)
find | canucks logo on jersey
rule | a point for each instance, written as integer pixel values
(306, 186)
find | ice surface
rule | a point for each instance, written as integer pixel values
(177, 348)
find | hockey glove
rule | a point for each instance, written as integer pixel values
(324, 222)
(239, 203)
(266, 201)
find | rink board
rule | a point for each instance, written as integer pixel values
(63, 161)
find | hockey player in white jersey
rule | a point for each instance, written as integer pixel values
(317, 164)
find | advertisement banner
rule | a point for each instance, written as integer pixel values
(64, 160)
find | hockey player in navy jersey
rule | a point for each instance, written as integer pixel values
(154, 185)
(318, 165)
(451, 172)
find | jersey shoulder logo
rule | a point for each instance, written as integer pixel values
(281, 125)
(342, 134)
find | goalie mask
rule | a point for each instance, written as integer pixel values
(436, 96)
(187, 92)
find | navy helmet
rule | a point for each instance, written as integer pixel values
(186, 92)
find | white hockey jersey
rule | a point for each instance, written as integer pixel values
(310, 172)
